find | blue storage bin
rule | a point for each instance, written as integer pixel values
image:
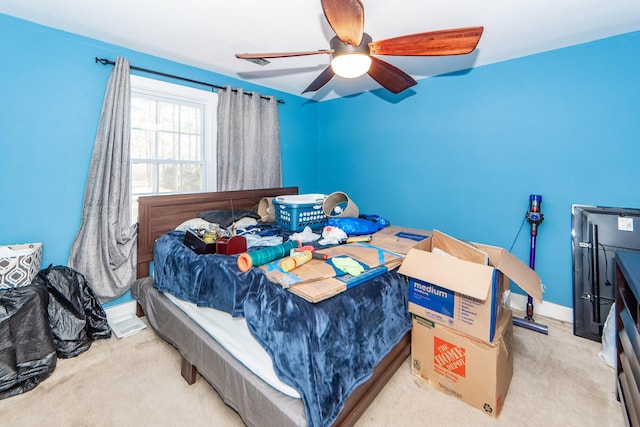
(297, 212)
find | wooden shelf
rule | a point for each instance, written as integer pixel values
(628, 334)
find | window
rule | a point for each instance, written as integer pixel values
(173, 139)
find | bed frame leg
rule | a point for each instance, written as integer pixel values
(188, 371)
(139, 310)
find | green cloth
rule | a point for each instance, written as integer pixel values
(348, 265)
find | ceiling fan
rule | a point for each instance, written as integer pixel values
(353, 50)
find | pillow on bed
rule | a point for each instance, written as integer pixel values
(226, 218)
(194, 224)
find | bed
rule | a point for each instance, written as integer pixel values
(257, 402)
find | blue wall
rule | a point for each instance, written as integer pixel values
(462, 153)
(51, 93)
(458, 153)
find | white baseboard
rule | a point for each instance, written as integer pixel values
(547, 309)
(120, 311)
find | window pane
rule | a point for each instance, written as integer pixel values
(191, 178)
(190, 119)
(143, 178)
(143, 113)
(169, 178)
(167, 146)
(142, 144)
(168, 116)
(190, 147)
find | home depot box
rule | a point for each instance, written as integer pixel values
(464, 367)
(460, 285)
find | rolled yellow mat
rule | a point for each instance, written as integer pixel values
(295, 261)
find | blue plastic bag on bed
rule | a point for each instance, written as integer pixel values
(365, 224)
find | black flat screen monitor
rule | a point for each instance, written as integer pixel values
(597, 233)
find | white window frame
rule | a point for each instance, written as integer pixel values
(208, 99)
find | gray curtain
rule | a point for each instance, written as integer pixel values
(248, 141)
(104, 249)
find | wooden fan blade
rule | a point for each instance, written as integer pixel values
(457, 41)
(346, 17)
(390, 77)
(321, 80)
(281, 54)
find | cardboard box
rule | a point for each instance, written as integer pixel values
(401, 239)
(464, 291)
(472, 370)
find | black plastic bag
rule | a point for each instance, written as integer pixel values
(75, 315)
(27, 349)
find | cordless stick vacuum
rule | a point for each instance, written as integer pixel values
(535, 217)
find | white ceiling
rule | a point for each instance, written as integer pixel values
(207, 33)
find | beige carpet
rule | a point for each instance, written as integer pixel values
(558, 381)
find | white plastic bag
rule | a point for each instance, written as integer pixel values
(332, 236)
(305, 236)
(608, 352)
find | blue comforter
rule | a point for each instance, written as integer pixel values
(325, 350)
(206, 280)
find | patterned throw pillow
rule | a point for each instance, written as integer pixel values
(19, 264)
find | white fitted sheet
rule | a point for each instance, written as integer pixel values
(233, 334)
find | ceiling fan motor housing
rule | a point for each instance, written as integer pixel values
(341, 48)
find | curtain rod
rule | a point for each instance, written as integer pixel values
(105, 61)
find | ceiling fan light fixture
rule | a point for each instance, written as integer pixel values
(351, 65)
(350, 61)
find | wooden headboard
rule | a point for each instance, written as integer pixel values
(160, 214)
